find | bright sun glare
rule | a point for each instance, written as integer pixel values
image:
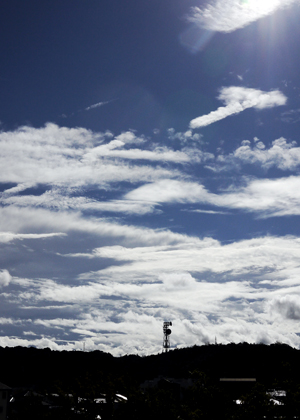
(263, 6)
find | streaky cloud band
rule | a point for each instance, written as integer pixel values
(230, 15)
(237, 99)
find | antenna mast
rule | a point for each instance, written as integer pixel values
(166, 339)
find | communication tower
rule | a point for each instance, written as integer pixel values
(167, 333)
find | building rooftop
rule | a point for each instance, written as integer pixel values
(237, 379)
(3, 386)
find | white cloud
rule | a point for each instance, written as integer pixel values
(18, 188)
(54, 199)
(9, 236)
(229, 15)
(168, 191)
(14, 219)
(291, 116)
(247, 296)
(5, 278)
(115, 266)
(266, 197)
(237, 99)
(184, 137)
(287, 306)
(10, 321)
(207, 211)
(44, 342)
(97, 105)
(201, 256)
(158, 154)
(281, 154)
(76, 157)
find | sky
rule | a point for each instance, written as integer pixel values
(149, 172)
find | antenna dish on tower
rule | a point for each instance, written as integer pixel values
(167, 332)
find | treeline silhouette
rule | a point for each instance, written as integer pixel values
(88, 375)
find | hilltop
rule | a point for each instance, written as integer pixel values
(25, 366)
(181, 384)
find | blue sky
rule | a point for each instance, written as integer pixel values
(149, 171)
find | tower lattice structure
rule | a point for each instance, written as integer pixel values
(167, 332)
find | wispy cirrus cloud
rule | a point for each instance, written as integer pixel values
(89, 108)
(230, 15)
(237, 99)
(101, 267)
(265, 197)
(40, 220)
(6, 237)
(291, 117)
(207, 256)
(75, 157)
(98, 105)
(54, 199)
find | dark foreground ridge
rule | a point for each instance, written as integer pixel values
(234, 381)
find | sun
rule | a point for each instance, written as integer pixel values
(260, 6)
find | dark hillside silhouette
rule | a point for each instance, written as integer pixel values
(183, 382)
(25, 366)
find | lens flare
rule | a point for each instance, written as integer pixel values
(195, 39)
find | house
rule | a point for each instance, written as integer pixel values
(237, 386)
(176, 386)
(4, 396)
